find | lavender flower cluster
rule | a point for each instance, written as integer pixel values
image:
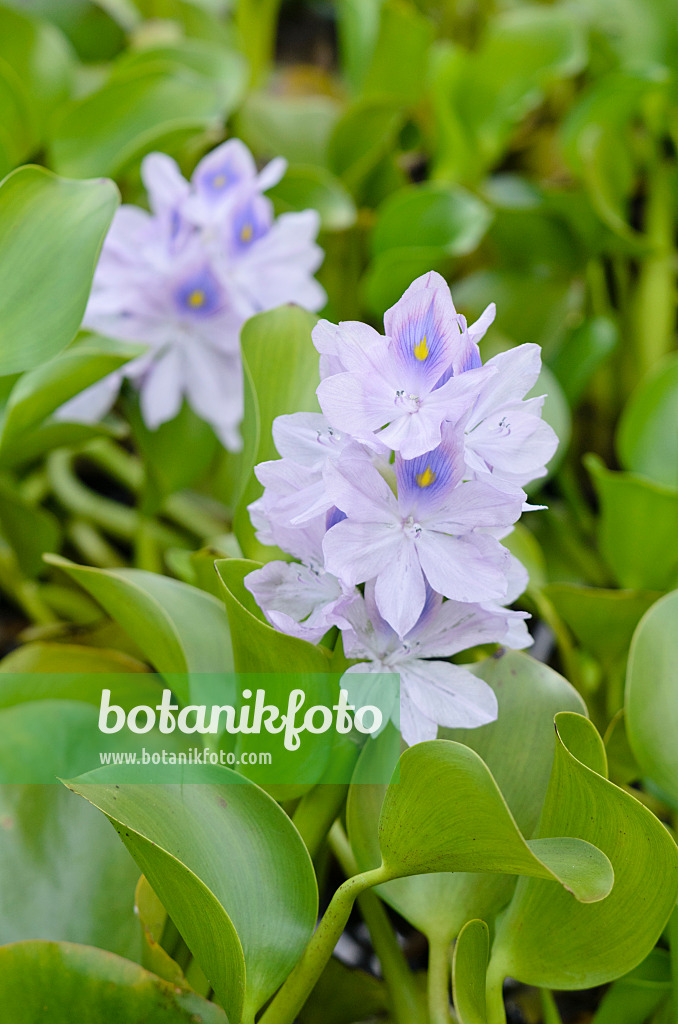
(183, 278)
(406, 483)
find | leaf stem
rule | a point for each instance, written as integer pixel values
(291, 997)
(494, 994)
(407, 1005)
(439, 980)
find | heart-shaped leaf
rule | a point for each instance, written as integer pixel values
(652, 695)
(517, 748)
(229, 867)
(62, 982)
(446, 813)
(51, 231)
(546, 939)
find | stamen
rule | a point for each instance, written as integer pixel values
(246, 233)
(197, 298)
(421, 350)
(426, 478)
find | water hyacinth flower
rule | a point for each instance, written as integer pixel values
(394, 506)
(183, 278)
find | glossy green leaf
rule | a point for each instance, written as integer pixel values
(286, 663)
(638, 527)
(647, 437)
(132, 114)
(42, 390)
(434, 215)
(246, 926)
(518, 749)
(62, 982)
(51, 231)
(306, 187)
(179, 629)
(548, 940)
(344, 995)
(281, 371)
(471, 955)
(446, 813)
(652, 695)
(65, 876)
(154, 923)
(357, 29)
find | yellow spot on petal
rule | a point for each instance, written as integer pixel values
(246, 233)
(426, 478)
(219, 181)
(421, 350)
(196, 299)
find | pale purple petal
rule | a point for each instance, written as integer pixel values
(463, 568)
(448, 694)
(355, 552)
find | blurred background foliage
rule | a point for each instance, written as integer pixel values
(527, 151)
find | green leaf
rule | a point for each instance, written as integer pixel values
(154, 920)
(581, 353)
(281, 372)
(41, 391)
(652, 695)
(306, 187)
(638, 527)
(471, 955)
(446, 813)
(51, 231)
(65, 876)
(284, 663)
(179, 629)
(362, 137)
(546, 939)
(146, 108)
(41, 58)
(399, 62)
(62, 982)
(517, 748)
(246, 926)
(296, 127)
(443, 216)
(637, 995)
(602, 620)
(344, 995)
(647, 436)
(224, 68)
(38, 671)
(390, 273)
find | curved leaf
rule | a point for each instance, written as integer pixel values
(517, 748)
(179, 628)
(652, 695)
(471, 956)
(546, 939)
(62, 982)
(647, 436)
(229, 867)
(51, 231)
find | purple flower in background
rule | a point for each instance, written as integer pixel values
(183, 278)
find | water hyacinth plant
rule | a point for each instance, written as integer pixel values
(353, 614)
